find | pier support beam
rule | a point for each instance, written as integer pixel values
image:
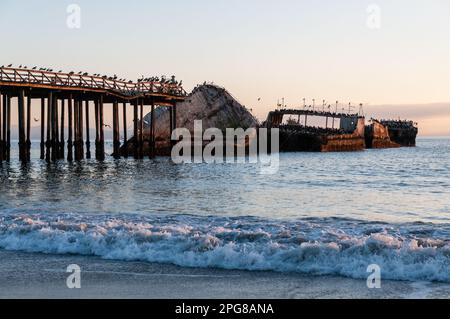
(102, 131)
(88, 138)
(116, 135)
(28, 137)
(1, 133)
(141, 131)
(8, 129)
(97, 129)
(42, 129)
(4, 124)
(125, 133)
(75, 128)
(62, 133)
(135, 129)
(21, 122)
(170, 124)
(80, 129)
(70, 129)
(174, 121)
(48, 143)
(55, 138)
(152, 133)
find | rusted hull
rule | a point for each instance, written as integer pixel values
(291, 141)
(377, 137)
(404, 137)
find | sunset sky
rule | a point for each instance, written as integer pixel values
(257, 49)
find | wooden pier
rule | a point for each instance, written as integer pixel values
(81, 96)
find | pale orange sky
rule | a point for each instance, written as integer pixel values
(260, 50)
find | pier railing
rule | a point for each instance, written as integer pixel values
(77, 81)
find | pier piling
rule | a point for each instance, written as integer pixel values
(81, 128)
(49, 127)
(102, 130)
(125, 133)
(152, 132)
(70, 129)
(135, 123)
(88, 133)
(116, 136)
(5, 121)
(141, 131)
(62, 133)
(42, 128)
(55, 138)
(28, 137)
(1, 134)
(21, 120)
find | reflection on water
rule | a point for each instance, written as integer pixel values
(408, 184)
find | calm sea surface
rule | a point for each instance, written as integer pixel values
(330, 213)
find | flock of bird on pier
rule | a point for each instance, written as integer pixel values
(162, 80)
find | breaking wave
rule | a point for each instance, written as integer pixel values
(332, 246)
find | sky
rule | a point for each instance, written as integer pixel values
(392, 56)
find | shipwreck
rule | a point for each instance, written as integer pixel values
(341, 132)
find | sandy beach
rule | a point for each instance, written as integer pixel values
(25, 275)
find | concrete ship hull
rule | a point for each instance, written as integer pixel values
(294, 137)
(292, 141)
(377, 136)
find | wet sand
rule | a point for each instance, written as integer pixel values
(27, 275)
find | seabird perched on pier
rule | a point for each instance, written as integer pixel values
(34, 68)
(9, 65)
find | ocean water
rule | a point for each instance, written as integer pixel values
(321, 214)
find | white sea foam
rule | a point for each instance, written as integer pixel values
(313, 246)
